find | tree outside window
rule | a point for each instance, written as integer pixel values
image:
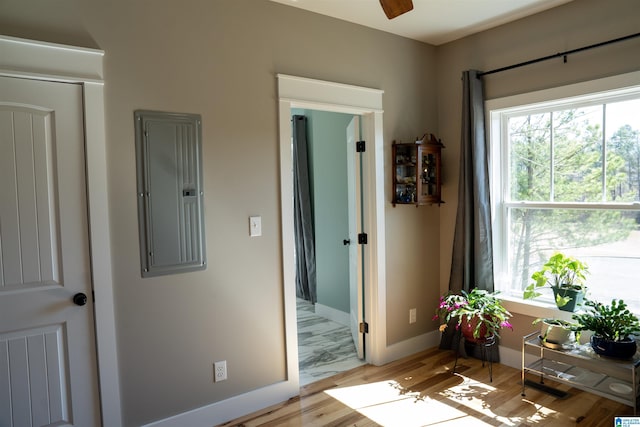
(574, 186)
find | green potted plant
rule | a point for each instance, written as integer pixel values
(613, 327)
(565, 275)
(554, 333)
(478, 313)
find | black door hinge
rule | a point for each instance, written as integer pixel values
(360, 147)
(364, 328)
(362, 238)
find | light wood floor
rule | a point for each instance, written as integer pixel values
(421, 390)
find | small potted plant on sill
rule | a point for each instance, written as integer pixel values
(478, 313)
(565, 276)
(613, 328)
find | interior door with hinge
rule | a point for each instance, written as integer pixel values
(356, 250)
(48, 370)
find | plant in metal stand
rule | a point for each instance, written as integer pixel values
(479, 313)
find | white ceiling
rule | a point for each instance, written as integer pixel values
(431, 21)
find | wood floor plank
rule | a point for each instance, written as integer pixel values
(423, 390)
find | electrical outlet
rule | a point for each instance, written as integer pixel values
(219, 371)
(412, 315)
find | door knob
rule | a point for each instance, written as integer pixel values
(80, 299)
(346, 242)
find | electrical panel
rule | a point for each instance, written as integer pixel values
(170, 193)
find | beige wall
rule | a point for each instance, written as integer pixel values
(574, 25)
(219, 58)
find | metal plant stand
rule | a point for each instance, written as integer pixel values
(486, 347)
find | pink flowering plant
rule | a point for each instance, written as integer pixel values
(478, 303)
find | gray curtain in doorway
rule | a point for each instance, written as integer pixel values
(303, 215)
(472, 258)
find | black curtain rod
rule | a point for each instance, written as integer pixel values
(564, 54)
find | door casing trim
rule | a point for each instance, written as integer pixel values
(300, 92)
(38, 60)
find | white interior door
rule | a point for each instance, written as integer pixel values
(48, 372)
(356, 284)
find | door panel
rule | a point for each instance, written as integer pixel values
(48, 369)
(32, 365)
(30, 243)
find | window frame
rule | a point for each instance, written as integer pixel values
(497, 111)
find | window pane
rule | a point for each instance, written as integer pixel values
(623, 151)
(608, 241)
(529, 157)
(577, 155)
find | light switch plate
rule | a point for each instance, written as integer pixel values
(255, 226)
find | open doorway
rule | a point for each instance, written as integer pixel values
(326, 205)
(297, 92)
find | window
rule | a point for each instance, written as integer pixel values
(566, 177)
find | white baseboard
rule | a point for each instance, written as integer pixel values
(238, 406)
(510, 357)
(232, 408)
(408, 347)
(332, 314)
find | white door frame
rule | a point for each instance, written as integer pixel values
(299, 92)
(53, 62)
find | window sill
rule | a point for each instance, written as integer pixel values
(534, 309)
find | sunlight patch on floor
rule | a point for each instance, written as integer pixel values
(388, 403)
(472, 394)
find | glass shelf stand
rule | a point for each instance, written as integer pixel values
(579, 366)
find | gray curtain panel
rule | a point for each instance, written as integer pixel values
(472, 259)
(303, 215)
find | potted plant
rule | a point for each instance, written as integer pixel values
(613, 327)
(565, 276)
(478, 313)
(554, 332)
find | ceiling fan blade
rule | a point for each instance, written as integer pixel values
(393, 8)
